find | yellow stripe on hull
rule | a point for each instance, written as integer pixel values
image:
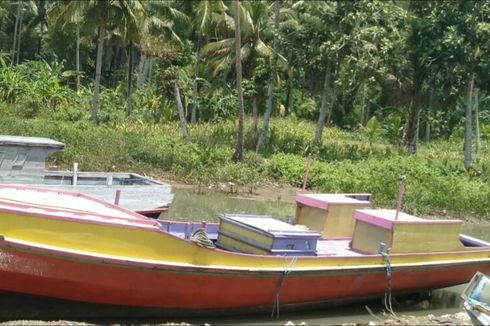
(154, 245)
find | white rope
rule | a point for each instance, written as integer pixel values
(289, 265)
(201, 238)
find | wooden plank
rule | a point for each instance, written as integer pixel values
(313, 218)
(426, 237)
(340, 222)
(367, 237)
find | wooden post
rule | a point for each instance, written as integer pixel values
(75, 175)
(400, 196)
(307, 172)
(118, 196)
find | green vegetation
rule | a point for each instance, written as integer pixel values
(436, 176)
(373, 89)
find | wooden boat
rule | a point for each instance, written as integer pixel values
(22, 161)
(477, 299)
(72, 247)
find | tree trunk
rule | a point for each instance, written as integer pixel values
(410, 137)
(149, 69)
(142, 71)
(180, 107)
(427, 118)
(159, 113)
(16, 27)
(272, 81)
(78, 57)
(289, 93)
(195, 105)
(427, 130)
(477, 124)
(39, 45)
(255, 118)
(323, 108)
(364, 117)
(238, 156)
(129, 105)
(410, 130)
(330, 107)
(468, 126)
(267, 117)
(19, 32)
(417, 130)
(98, 66)
(194, 101)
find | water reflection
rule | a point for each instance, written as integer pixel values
(191, 206)
(439, 302)
(478, 231)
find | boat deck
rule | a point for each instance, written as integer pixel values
(332, 247)
(336, 248)
(184, 230)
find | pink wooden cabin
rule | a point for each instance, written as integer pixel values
(332, 215)
(405, 234)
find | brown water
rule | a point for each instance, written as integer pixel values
(188, 205)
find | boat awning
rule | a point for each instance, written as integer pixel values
(30, 142)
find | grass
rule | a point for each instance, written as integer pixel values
(345, 161)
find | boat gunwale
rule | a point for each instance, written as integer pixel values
(157, 227)
(136, 220)
(147, 264)
(94, 174)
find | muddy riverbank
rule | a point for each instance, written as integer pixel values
(460, 318)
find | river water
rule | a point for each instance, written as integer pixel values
(188, 205)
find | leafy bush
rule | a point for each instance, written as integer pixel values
(436, 179)
(427, 188)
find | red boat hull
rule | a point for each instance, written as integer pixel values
(190, 290)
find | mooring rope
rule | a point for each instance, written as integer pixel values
(287, 270)
(201, 238)
(387, 263)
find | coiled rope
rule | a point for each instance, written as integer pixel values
(287, 270)
(201, 238)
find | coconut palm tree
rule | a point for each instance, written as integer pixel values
(208, 14)
(21, 7)
(469, 125)
(99, 13)
(89, 12)
(129, 29)
(273, 78)
(238, 156)
(157, 28)
(100, 9)
(255, 32)
(65, 13)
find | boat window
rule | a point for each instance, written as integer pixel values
(2, 156)
(19, 161)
